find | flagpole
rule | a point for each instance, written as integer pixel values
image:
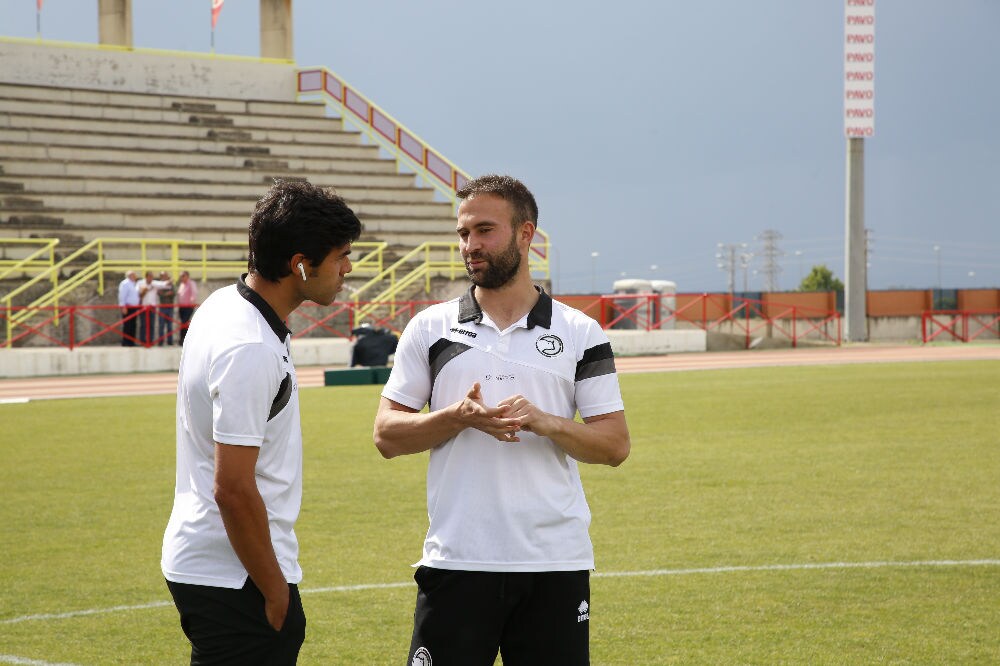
(38, 22)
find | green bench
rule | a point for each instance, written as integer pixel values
(356, 376)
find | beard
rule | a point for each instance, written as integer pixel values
(500, 269)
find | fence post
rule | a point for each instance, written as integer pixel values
(795, 337)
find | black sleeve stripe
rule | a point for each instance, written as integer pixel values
(440, 353)
(598, 360)
(284, 395)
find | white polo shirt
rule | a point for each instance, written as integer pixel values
(236, 386)
(496, 506)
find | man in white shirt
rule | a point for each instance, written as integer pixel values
(504, 369)
(230, 554)
(149, 295)
(128, 301)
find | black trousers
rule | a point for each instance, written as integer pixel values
(229, 627)
(463, 618)
(128, 326)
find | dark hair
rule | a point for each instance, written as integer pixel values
(293, 217)
(507, 188)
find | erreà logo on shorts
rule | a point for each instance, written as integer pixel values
(422, 657)
(549, 345)
(583, 611)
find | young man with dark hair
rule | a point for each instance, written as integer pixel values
(230, 554)
(504, 368)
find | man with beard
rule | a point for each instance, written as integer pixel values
(505, 369)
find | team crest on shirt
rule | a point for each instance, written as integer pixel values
(549, 345)
(421, 657)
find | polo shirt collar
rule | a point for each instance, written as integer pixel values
(270, 316)
(540, 314)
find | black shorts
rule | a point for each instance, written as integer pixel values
(228, 626)
(463, 618)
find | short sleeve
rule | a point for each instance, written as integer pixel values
(410, 380)
(597, 389)
(243, 383)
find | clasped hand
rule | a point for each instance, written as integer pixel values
(504, 421)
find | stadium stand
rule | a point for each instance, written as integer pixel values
(79, 164)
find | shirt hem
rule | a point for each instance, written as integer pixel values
(509, 567)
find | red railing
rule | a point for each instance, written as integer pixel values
(717, 312)
(325, 81)
(960, 325)
(449, 178)
(82, 325)
(76, 326)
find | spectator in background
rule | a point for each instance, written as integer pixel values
(187, 300)
(128, 301)
(149, 298)
(165, 329)
(373, 346)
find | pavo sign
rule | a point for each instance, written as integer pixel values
(859, 69)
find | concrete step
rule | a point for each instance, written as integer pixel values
(56, 113)
(234, 218)
(75, 236)
(186, 157)
(19, 169)
(182, 129)
(142, 143)
(49, 187)
(156, 101)
(186, 205)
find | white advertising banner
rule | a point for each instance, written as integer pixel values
(859, 68)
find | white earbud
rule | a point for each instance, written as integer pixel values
(302, 271)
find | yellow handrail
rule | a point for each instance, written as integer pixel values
(369, 263)
(30, 262)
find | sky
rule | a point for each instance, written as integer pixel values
(652, 131)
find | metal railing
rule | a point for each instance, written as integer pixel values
(745, 317)
(92, 261)
(80, 325)
(407, 147)
(75, 326)
(41, 259)
(960, 325)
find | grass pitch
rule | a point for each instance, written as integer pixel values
(821, 515)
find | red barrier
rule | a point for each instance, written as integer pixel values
(87, 325)
(83, 325)
(713, 312)
(961, 325)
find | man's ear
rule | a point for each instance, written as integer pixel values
(293, 265)
(527, 231)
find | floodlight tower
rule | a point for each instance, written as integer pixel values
(859, 123)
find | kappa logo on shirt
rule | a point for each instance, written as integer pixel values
(549, 345)
(422, 657)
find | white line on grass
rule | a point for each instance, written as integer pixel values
(599, 574)
(795, 567)
(11, 659)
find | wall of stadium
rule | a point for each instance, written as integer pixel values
(145, 71)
